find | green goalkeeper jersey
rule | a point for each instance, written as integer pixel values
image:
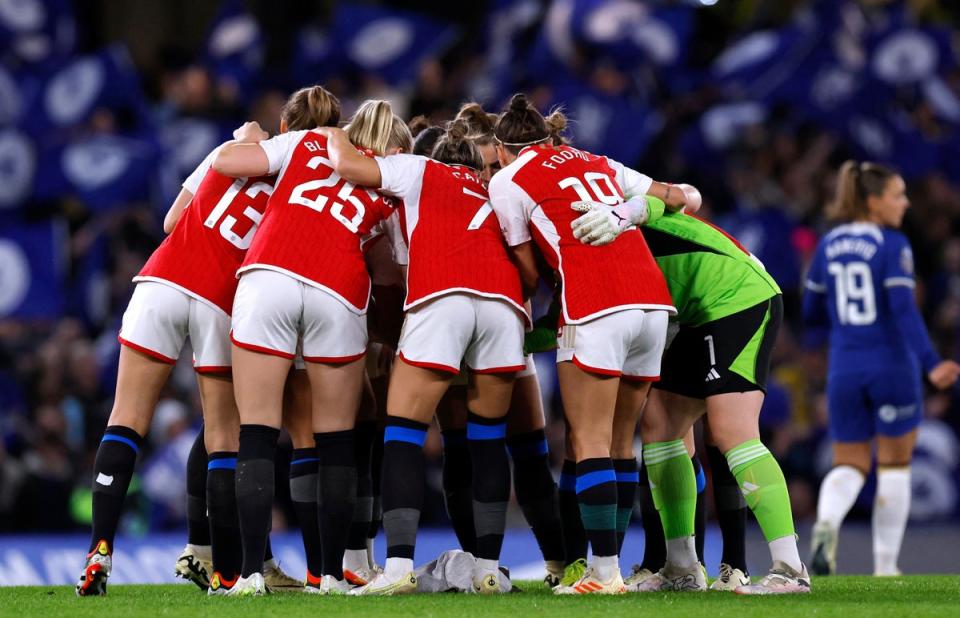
(710, 275)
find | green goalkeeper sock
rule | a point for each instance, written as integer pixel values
(673, 486)
(763, 486)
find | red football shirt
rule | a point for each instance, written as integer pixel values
(454, 241)
(315, 220)
(208, 244)
(532, 198)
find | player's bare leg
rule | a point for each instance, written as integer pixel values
(533, 480)
(891, 507)
(411, 403)
(734, 425)
(838, 493)
(665, 425)
(140, 379)
(488, 399)
(258, 384)
(589, 401)
(336, 389)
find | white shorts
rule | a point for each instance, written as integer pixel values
(529, 367)
(628, 344)
(159, 319)
(273, 312)
(486, 334)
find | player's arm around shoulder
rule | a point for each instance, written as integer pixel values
(351, 164)
(244, 156)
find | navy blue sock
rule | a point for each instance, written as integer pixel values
(402, 479)
(486, 438)
(457, 489)
(303, 494)
(198, 526)
(255, 483)
(627, 480)
(655, 546)
(574, 536)
(224, 521)
(537, 491)
(337, 495)
(112, 471)
(597, 497)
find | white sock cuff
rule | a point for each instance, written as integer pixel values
(893, 473)
(848, 471)
(660, 452)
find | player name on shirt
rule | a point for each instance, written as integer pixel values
(846, 245)
(563, 156)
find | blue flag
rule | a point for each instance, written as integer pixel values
(234, 50)
(313, 56)
(506, 22)
(18, 165)
(631, 34)
(31, 270)
(37, 33)
(606, 125)
(389, 43)
(103, 171)
(107, 80)
(889, 136)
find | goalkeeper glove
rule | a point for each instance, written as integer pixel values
(601, 224)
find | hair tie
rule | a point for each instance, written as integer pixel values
(536, 141)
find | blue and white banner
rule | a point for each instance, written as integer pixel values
(106, 80)
(234, 50)
(605, 125)
(632, 34)
(38, 33)
(18, 166)
(103, 171)
(31, 270)
(389, 43)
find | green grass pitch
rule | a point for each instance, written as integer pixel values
(834, 596)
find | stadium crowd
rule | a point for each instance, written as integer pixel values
(718, 112)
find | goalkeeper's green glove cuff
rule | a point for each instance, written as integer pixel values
(540, 339)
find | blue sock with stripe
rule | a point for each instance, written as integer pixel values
(222, 510)
(487, 440)
(597, 497)
(627, 479)
(401, 484)
(304, 464)
(112, 471)
(537, 491)
(574, 536)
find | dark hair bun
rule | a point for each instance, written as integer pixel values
(518, 103)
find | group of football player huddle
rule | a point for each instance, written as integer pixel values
(291, 263)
